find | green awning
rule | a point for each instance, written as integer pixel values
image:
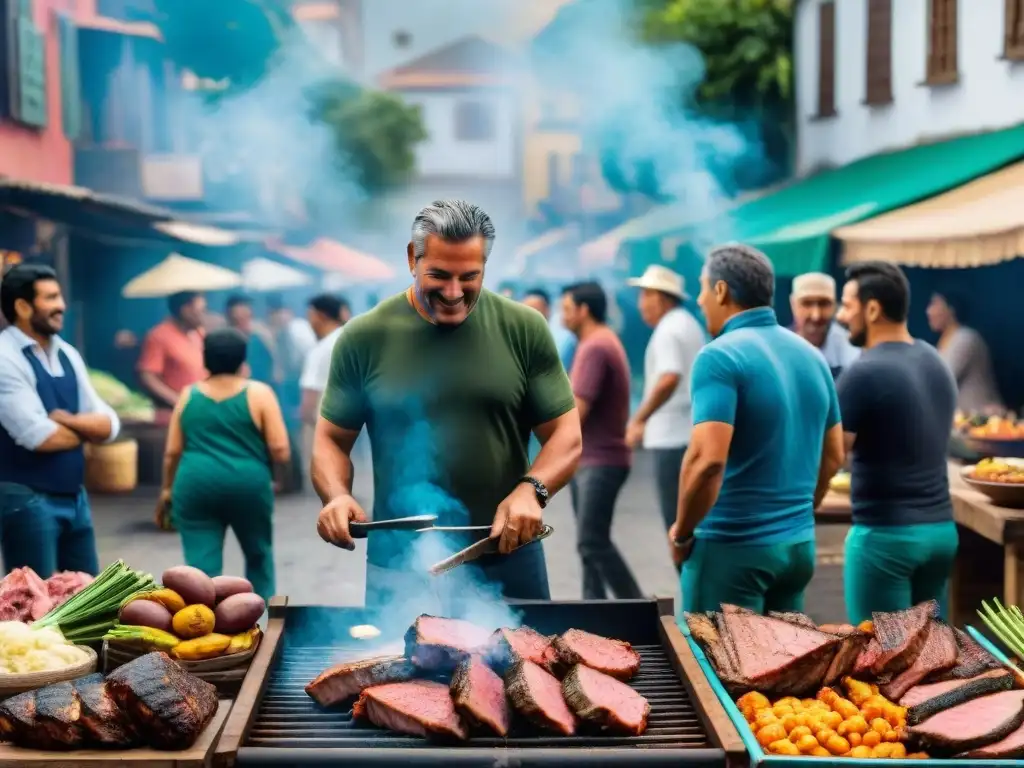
(793, 225)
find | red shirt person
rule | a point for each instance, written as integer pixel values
(172, 353)
(600, 384)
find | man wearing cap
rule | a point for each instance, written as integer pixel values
(813, 300)
(663, 421)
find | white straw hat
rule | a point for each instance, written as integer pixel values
(658, 278)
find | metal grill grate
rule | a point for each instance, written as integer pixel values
(288, 718)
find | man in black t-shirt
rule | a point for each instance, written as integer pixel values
(897, 405)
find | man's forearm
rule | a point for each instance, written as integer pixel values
(156, 388)
(63, 439)
(171, 461)
(659, 396)
(829, 467)
(556, 463)
(331, 469)
(91, 427)
(700, 483)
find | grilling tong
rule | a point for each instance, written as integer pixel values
(425, 524)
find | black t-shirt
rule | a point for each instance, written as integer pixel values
(899, 399)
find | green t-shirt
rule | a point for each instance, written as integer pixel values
(448, 409)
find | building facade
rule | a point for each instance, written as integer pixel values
(880, 75)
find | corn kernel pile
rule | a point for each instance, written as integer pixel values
(863, 724)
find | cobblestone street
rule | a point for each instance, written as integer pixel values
(311, 572)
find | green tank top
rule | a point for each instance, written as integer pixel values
(225, 453)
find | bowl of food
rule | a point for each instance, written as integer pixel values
(1001, 479)
(995, 436)
(31, 658)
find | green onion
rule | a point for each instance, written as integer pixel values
(1006, 624)
(87, 616)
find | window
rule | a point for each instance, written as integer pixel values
(879, 53)
(474, 121)
(1013, 43)
(942, 40)
(826, 60)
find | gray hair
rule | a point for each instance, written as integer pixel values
(454, 221)
(746, 271)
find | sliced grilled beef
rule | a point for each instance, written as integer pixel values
(801, 619)
(938, 653)
(479, 696)
(704, 630)
(105, 723)
(168, 706)
(418, 707)
(510, 645)
(537, 695)
(923, 701)
(867, 658)
(852, 646)
(613, 657)
(604, 701)
(435, 643)
(348, 679)
(1004, 749)
(971, 661)
(58, 712)
(901, 635)
(20, 725)
(977, 723)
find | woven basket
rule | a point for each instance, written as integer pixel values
(225, 672)
(112, 468)
(10, 684)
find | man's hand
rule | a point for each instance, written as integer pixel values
(679, 554)
(518, 519)
(332, 525)
(635, 433)
(162, 516)
(63, 418)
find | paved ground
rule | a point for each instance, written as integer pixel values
(311, 572)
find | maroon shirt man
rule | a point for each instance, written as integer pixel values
(600, 382)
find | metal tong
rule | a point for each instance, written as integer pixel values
(416, 523)
(486, 546)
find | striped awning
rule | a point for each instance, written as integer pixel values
(977, 224)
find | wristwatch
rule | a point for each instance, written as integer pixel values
(543, 497)
(682, 541)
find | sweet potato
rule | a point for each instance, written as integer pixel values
(226, 586)
(238, 613)
(146, 613)
(194, 586)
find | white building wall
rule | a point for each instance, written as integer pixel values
(988, 96)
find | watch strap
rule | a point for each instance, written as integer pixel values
(543, 496)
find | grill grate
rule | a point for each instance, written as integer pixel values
(288, 718)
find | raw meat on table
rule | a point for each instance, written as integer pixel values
(64, 585)
(938, 654)
(479, 696)
(537, 696)
(24, 596)
(613, 657)
(597, 698)
(977, 723)
(348, 679)
(923, 701)
(435, 643)
(418, 707)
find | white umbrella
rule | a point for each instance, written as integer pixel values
(178, 273)
(262, 274)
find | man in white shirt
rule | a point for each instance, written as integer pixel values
(813, 301)
(664, 421)
(326, 314)
(48, 411)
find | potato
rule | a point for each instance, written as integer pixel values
(239, 613)
(193, 621)
(194, 586)
(226, 586)
(145, 613)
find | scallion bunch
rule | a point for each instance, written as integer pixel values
(1006, 623)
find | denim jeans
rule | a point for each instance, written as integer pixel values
(667, 463)
(46, 533)
(594, 491)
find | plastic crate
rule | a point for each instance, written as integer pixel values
(758, 756)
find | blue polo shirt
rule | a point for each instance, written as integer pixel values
(777, 392)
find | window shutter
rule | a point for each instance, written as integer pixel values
(826, 59)
(31, 101)
(70, 79)
(879, 52)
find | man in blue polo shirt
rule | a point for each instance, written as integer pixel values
(766, 441)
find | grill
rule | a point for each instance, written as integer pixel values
(274, 722)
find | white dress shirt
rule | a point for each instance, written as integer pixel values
(22, 413)
(673, 347)
(317, 369)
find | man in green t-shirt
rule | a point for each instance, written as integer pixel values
(449, 379)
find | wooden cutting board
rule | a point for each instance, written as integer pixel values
(199, 755)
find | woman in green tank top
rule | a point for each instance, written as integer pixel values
(225, 434)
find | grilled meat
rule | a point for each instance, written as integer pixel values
(479, 696)
(794, 617)
(923, 701)
(613, 657)
(169, 707)
(1010, 747)
(902, 635)
(977, 723)
(20, 725)
(348, 679)
(597, 698)
(704, 630)
(938, 653)
(58, 711)
(537, 696)
(871, 653)
(435, 643)
(850, 649)
(104, 723)
(418, 707)
(510, 645)
(971, 661)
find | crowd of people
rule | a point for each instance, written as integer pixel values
(746, 422)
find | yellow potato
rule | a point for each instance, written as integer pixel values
(770, 733)
(764, 717)
(918, 756)
(855, 724)
(898, 751)
(891, 736)
(754, 700)
(798, 733)
(783, 747)
(846, 708)
(820, 752)
(871, 739)
(824, 735)
(837, 745)
(860, 752)
(790, 701)
(880, 725)
(832, 719)
(854, 739)
(781, 710)
(882, 750)
(806, 744)
(789, 722)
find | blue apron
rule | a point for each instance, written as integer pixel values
(45, 520)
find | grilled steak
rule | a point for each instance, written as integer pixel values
(902, 635)
(794, 617)
(168, 706)
(705, 632)
(479, 696)
(938, 653)
(923, 701)
(106, 725)
(19, 724)
(613, 657)
(974, 724)
(850, 649)
(510, 645)
(58, 710)
(418, 707)
(348, 679)
(971, 661)
(537, 696)
(1010, 747)
(435, 643)
(597, 698)
(777, 656)
(867, 658)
